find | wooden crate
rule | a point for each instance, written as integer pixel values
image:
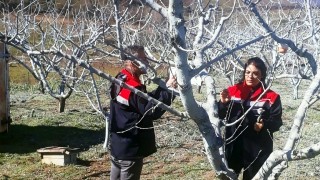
(60, 156)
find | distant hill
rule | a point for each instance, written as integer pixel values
(77, 4)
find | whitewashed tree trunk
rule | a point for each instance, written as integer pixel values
(277, 158)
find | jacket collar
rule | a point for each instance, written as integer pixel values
(130, 79)
(253, 92)
(124, 94)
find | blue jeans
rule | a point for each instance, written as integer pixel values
(125, 169)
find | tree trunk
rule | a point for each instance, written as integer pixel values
(62, 104)
(41, 87)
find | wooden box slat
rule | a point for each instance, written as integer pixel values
(58, 155)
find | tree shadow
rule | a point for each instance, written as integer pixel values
(27, 139)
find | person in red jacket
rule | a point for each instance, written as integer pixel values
(249, 140)
(131, 117)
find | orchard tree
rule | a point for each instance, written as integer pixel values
(35, 34)
(277, 161)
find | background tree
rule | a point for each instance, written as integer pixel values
(34, 34)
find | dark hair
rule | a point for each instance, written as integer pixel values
(130, 51)
(259, 64)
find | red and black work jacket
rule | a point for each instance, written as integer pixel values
(131, 118)
(244, 97)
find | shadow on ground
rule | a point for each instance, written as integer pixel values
(27, 139)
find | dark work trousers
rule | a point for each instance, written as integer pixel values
(126, 169)
(251, 168)
(237, 161)
(235, 158)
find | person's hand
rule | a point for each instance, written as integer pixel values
(224, 96)
(258, 125)
(172, 82)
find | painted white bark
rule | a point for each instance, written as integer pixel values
(276, 157)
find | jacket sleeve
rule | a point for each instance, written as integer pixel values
(274, 122)
(147, 108)
(222, 109)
